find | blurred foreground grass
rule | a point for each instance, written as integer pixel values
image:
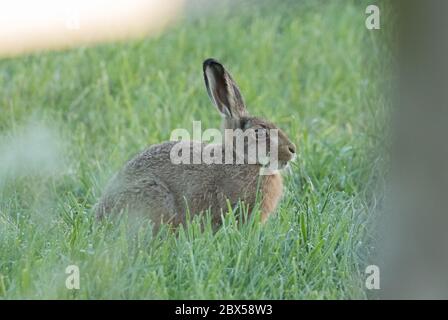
(310, 66)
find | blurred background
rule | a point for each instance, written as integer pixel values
(81, 93)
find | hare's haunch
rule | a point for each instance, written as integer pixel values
(153, 185)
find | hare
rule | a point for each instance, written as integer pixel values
(152, 185)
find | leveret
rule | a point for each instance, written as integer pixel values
(152, 185)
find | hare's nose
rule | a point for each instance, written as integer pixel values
(292, 148)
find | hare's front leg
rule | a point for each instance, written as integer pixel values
(272, 193)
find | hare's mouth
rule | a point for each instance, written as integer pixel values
(280, 165)
(286, 164)
(283, 165)
(268, 169)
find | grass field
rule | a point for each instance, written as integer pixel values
(69, 120)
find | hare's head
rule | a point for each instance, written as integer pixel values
(256, 132)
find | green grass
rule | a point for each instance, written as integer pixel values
(311, 67)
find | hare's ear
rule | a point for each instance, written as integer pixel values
(222, 90)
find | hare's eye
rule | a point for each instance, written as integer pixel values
(246, 124)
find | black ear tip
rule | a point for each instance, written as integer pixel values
(210, 62)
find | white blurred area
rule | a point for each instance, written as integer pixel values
(32, 25)
(31, 150)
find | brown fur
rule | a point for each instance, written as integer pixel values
(272, 192)
(151, 185)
